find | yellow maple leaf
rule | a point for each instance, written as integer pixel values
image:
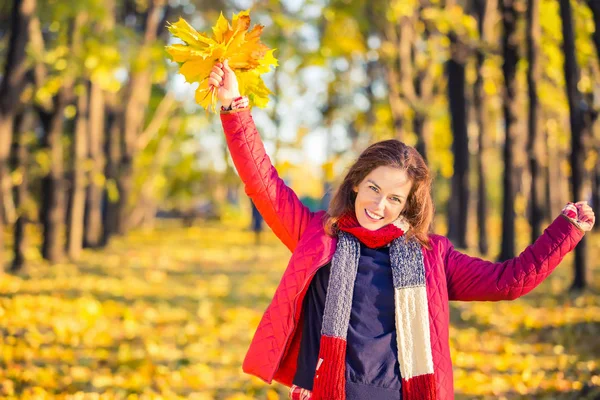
(236, 42)
(189, 35)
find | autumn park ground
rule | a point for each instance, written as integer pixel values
(170, 313)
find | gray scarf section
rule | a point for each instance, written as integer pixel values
(408, 270)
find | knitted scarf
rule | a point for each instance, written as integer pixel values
(410, 298)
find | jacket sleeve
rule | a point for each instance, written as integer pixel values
(471, 278)
(277, 203)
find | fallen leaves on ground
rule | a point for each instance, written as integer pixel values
(170, 314)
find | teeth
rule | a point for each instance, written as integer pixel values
(374, 216)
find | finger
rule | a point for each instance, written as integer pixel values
(588, 214)
(589, 219)
(218, 80)
(226, 66)
(213, 82)
(216, 70)
(216, 76)
(570, 210)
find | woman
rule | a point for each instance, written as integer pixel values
(361, 311)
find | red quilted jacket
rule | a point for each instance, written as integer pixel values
(450, 274)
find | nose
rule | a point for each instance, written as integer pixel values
(380, 204)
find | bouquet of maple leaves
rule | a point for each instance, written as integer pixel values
(248, 57)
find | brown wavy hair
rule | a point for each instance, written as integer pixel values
(419, 207)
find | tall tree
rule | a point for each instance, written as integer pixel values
(53, 207)
(54, 201)
(79, 151)
(137, 94)
(483, 9)
(80, 146)
(459, 196)
(580, 128)
(413, 83)
(535, 146)
(13, 82)
(96, 178)
(112, 150)
(19, 163)
(509, 12)
(594, 6)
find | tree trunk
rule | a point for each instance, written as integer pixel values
(555, 178)
(53, 206)
(11, 86)
(110, 201)
(510, 110)
(579, 130)
(96, 177)
(138, 94)
(144, 214)
(397, 106)
(548, 167)
(75, 239)
(400, 75)
(419, 125)
(596, 192)
(19, 161)
(534, 144)
(459, 197)
(594, 6)
(482, 10)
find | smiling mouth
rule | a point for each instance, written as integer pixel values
(372, 216)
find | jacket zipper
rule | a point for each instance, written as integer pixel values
(287, 340)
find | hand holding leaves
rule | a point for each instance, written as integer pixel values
(585, 215)
(247, 57)
(223, 79)
(581, 214)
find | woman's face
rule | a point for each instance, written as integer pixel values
(381, 197)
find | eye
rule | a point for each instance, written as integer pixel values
(374, 188)
(397, 200)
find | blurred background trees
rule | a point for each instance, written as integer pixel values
(98, 135)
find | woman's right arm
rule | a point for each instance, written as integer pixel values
(277, 203)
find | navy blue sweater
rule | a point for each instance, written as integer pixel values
(372, 370)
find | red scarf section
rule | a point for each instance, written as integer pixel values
(372, 239)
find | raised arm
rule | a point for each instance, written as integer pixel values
(276, 202)
(471, 278)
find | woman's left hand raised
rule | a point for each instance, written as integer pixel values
(582, 214)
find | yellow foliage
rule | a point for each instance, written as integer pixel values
(248, 57)
(347, 44)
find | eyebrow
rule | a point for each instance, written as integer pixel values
(378, 187)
